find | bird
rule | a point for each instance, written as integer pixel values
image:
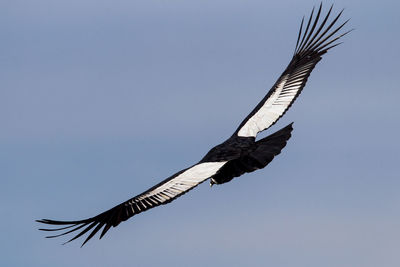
(241, 153)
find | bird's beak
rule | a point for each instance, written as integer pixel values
(212, 182)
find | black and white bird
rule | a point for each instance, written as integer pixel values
(241, 153)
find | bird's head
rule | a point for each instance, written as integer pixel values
(212, 182)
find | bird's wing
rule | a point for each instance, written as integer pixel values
(160, 194)
(261, 154)
(311, 44)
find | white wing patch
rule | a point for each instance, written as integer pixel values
(272, 109)
(181, 183)
(284, 93)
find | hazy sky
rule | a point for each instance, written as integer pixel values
(100, 100)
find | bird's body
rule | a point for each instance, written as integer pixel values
(239, 154)
(248, 155)
(230, 149)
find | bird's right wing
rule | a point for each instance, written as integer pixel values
(162, 193)
(311, 45)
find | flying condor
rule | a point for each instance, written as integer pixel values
(240, 153)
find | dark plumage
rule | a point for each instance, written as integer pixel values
(255, 157)
(240, 153)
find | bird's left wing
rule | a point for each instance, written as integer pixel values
(315, 41)
(160, 194)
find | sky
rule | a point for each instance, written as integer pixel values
(100, 100)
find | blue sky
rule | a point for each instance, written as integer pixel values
(100, 100)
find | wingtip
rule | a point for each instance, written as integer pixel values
(323, 36)
(83, 244)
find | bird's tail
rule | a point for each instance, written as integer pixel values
(272, 145)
